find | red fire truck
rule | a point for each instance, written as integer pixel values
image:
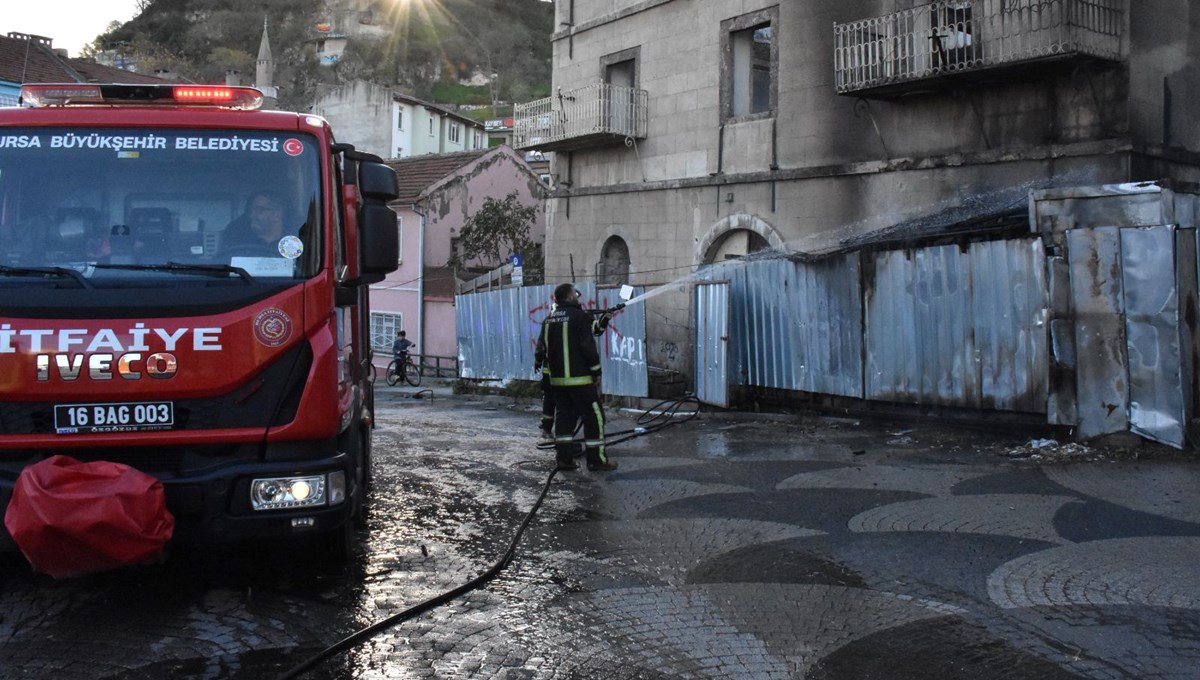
(184, 290)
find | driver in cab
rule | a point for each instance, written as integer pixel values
(259, 228)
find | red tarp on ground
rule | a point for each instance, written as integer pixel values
(71, 518)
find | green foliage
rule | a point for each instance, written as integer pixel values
(453, 92)
(498, 228)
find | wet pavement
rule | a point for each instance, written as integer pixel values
(747, 546)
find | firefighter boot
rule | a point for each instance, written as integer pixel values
(562, 454)
(598, 462)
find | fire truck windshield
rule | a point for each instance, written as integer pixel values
(121, 204)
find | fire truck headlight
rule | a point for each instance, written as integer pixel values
(279, 493)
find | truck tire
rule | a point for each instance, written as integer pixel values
(356, 442)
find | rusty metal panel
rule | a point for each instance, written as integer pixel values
(797, 326)
(1152, 324)
(920, 344)
(497, 336)
(964, 329)
(1186, 262)
(1102, 388)
(1008, 308)
(1062, 363)
(712, 343)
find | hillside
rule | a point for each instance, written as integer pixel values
(424, 49)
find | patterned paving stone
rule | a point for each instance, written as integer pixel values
(1165, 489)
(718, 550)
(734, 630)
(668, 549)
(1023, 516)
(934, 481)
(970, 653)
(631, 497)
(1134, 571)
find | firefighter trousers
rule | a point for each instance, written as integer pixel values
(572, 404)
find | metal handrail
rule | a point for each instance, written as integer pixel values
(600, 108)
(942, 37)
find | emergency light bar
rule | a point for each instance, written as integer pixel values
(83, 94)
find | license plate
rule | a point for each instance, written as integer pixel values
(122, 417)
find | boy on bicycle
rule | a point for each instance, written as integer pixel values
(400, 348)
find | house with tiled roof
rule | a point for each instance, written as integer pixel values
(28, 58)
(438, 194)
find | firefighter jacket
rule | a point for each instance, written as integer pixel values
(566, 347)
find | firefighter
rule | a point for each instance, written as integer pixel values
(566, 350)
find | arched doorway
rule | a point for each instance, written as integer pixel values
(735, 244)
(736, 236)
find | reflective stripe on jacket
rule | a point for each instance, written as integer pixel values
(567, 348)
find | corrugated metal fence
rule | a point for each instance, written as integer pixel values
(938, 325)
(963, 326)
(497, 336)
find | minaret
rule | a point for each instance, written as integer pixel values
(264, 74)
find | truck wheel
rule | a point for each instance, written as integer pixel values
(365, 476)
(356, 442)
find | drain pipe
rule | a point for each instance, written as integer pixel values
(416, 207)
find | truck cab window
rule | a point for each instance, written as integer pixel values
(117, 205)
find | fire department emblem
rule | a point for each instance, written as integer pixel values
(272, 327)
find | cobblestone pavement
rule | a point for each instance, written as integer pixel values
(747, 547)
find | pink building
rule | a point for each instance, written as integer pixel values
(438, 194)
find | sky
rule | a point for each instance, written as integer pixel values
(71, 23)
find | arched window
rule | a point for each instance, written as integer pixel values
(613, 267)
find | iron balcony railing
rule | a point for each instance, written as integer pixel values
(593, 115)
(949, 37)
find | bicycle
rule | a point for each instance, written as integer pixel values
(403, 369)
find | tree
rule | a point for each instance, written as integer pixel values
(498, 228)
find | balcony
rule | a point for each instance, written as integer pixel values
(940, 43)
(585, 117)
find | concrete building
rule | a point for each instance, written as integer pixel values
(438, 194)
(688, 133)
(380, 121)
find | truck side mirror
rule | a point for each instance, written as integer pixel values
(378, 237)
(377, 181)
(378, 241)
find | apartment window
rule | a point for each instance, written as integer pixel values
(454, 132)
(431, 126)
(400, 119)
(384, 327)
(751, 48)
